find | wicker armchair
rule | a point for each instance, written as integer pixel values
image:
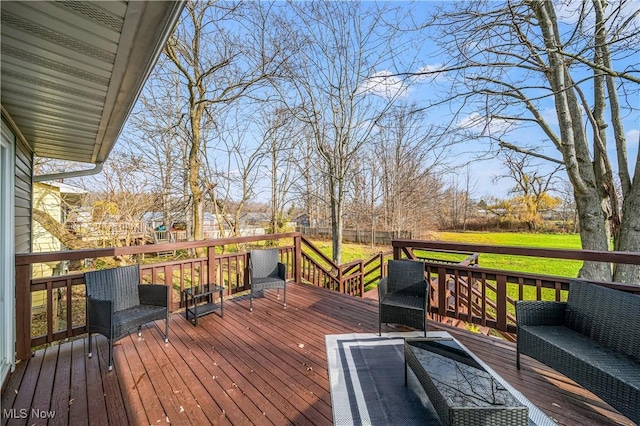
(117, 304)
(402, 295)
(266, 272)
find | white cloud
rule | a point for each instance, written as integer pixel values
(384, 84)
(633, 137)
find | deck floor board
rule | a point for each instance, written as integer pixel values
(263, 367)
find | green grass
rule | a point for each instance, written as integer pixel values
(557, 267)
(350, 252)
(534, 265)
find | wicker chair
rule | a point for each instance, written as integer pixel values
(117, 304)
(402, 295)
(266, 272)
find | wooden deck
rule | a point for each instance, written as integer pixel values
(265, 367)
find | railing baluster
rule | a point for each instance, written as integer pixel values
(49, 310)
(501, 301)
(69, 306)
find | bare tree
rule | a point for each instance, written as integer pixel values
(309, 187)
(456, 202)
(338, 74)
(532, 186)
(221, 53)
(282, 135)
(509, 61)
(153, 134)
(119, 199)
(233, 169)
(408, 152)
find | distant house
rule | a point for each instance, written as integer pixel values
(55, 199)
(302, 220)
(256, 218)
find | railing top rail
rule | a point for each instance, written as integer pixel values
(349, 265)
(440, 250)
(29, 258)
(318, 252)
(591, 255)
(473, 257)
(515, 276)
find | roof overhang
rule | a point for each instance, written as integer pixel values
(72, 70)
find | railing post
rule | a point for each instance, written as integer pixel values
(211, 265)
(23, 311)
(340, 281)
(397, 253)
(442, 291)
(297, 242)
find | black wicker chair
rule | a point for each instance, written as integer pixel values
(117, 303)
(402, 295)
(266, 272)
(593, 338)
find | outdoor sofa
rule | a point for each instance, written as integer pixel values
(593, 338)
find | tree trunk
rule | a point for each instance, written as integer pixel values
(59, 231)
(574, 147)
(630, 232)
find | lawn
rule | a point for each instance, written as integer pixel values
(557, 267)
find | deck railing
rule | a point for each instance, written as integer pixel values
(63, 314)
(462, 290)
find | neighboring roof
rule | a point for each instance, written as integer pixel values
(65, 188)
(72, 70)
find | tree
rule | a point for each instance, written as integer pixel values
(154, 135)
(339, 86)
(282, 135)
(531, 187)
(509, 61)
(221, 53)
(235, 169)
(120, 197)
(408, 153)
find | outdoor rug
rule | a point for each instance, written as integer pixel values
(366, 376)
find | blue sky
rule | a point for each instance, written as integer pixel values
(485, 171)
(424, 90)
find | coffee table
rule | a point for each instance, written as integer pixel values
(462, 389)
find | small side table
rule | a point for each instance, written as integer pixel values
(198, 301)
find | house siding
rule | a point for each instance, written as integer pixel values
(23, 197)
